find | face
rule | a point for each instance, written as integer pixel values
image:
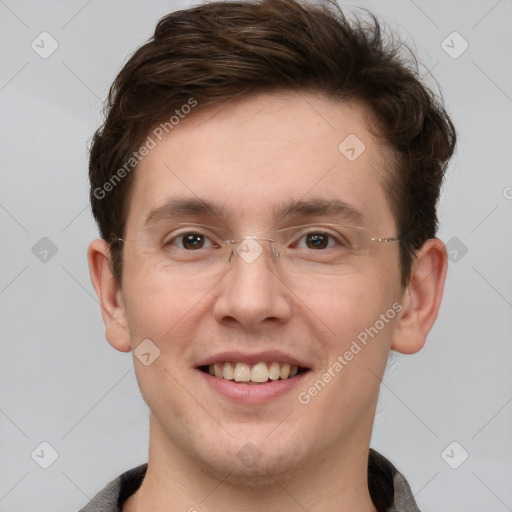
(254, 167)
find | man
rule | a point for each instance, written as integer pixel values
(265, 186)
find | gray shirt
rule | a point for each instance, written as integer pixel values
(389, 490)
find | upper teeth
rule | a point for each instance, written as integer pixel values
(260, 372)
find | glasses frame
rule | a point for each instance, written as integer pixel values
(236, 242)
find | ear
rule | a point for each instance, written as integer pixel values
(422, 298)
(110, 296)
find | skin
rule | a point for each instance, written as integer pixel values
(249, 156)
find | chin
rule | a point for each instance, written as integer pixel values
(253, 460)
(252, 474)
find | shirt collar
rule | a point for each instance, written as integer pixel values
(388, 488)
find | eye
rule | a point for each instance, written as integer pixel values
(190, 241)
(318, 240)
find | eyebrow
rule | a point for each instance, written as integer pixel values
(181, 207)
(335, 209)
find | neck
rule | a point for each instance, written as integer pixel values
(331, 481)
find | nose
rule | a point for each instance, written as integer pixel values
(252, 292)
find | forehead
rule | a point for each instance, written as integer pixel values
(254, 157)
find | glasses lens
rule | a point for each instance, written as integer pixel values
(183, 249)
(323, 249)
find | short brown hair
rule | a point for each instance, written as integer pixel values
(221, 50)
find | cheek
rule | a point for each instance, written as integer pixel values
(362, 295)
(361, 319)
(360, 308)
(156, 305)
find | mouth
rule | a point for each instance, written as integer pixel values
(258, 373)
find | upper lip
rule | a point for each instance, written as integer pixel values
(252, 358)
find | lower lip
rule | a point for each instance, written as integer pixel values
(252, 393)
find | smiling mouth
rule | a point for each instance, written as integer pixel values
(258, 373)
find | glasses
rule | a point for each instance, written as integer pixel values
(198, 250)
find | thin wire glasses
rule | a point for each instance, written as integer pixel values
(312, 249)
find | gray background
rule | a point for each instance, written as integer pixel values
(60, 381)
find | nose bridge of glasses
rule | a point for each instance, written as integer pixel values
(250, 247)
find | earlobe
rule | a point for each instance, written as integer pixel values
(109, 295)
(422, 298)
